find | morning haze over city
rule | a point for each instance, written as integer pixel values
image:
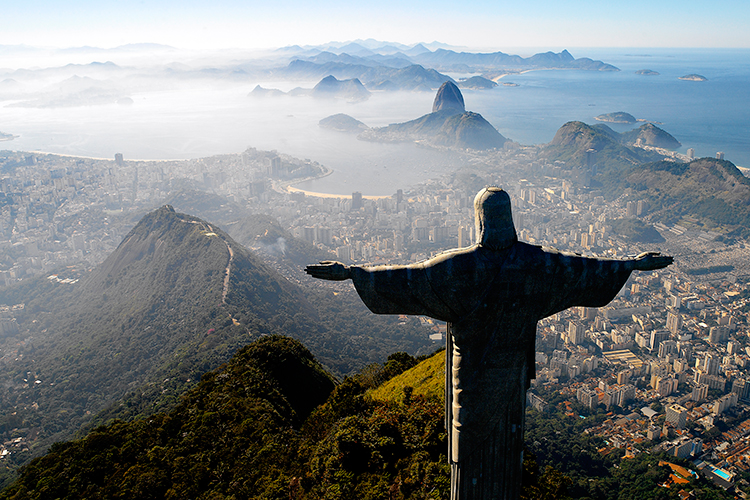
(169, 170)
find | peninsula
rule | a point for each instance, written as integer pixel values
(449, 125)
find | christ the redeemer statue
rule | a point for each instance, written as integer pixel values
(491, 294)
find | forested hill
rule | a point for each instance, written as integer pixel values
(234, 434)
(177, 298)
(574, 139)
(240, 434)
(712, 191)
(271, 425)
(158, 308)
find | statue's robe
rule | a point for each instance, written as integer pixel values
(492, 301)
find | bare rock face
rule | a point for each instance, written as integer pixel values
(449, 98)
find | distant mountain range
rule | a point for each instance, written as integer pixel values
(116, 74)
(443, 58)
(329, 87)
(409, 72)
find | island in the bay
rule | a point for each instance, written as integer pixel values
(647, 72)
(618, 117)
(343, 123)
(693, 78)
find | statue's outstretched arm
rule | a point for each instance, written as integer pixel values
(329, 270)
(649, 261)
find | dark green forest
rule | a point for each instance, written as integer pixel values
(273, 424)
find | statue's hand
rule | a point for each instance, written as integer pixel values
(329, 270)
(648, 261)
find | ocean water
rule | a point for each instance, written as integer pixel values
(203, 120)
(707, 116)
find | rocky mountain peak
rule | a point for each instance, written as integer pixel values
(449, 97)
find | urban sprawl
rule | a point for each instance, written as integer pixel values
(668, 357)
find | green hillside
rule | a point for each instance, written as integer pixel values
(239, 435)
(134, 333)
(650, 135)
(427, 379)
(573, 139)
(713, 191)
(270, 425)
(636, 230)
(155, 310)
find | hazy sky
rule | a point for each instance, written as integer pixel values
(482, 24)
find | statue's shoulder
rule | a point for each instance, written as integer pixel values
(453, 254)
(557, 251)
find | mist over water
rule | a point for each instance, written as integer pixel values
(192, 123)
(205, 117)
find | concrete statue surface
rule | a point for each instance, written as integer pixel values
(492, 295)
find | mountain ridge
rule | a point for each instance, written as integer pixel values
(176, 299)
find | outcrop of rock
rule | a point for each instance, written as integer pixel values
(449, 125)
(448, 97)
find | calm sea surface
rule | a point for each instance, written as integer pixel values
(707, 116)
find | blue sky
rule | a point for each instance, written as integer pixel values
(478, 24)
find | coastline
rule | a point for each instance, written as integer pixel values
(281, 187)
(329, 195)
(288, 187)
(64, 155)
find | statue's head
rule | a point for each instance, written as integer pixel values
(494, 222)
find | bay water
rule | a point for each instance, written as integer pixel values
(203, 120)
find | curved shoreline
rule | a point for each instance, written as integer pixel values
(65, 155)
(281, 187)
(288, 187)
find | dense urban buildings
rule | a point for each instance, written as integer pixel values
(667, 359)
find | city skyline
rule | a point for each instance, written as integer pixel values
(482, 25)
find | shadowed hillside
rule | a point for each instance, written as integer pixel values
(271, 425)
(713, 191)
(177, 298)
